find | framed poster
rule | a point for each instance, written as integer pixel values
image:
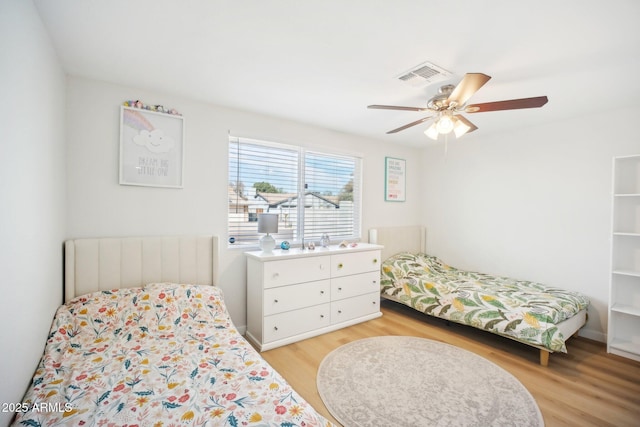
(394, 179)
(151, 148)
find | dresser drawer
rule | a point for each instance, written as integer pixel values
(353, 263)
(351, 308)
(284, 325)
(357, 284)
(299, 270)
(292, 297)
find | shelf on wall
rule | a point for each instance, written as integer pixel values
(627, 272)
(628, 347)
(626, 309)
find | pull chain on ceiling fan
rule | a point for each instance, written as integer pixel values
(451, 100)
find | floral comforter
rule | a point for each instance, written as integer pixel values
(162, 355)
(526, 311)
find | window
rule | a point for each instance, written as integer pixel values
(313, 192)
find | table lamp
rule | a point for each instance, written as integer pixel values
(267, 223)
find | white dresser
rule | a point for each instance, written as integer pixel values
(293, 295)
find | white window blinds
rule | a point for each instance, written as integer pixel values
(313, 192)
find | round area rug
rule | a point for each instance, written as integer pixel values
(408, 381)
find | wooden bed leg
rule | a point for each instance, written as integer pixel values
(544, 357)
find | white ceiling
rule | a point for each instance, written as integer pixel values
(323, 61)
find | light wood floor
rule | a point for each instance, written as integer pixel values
(586, 387)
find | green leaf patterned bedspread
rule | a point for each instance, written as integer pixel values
(526, 311)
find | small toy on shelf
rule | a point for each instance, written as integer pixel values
(157, 108)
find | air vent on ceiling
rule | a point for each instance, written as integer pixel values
(424, 74)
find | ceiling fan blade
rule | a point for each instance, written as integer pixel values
(395, 107)
(469, 85)
(417, 122)
(512, 104)
(463, 130)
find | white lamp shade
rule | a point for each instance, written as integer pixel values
(460, 128)
(444, 124)
(432, 132)
(267, 223)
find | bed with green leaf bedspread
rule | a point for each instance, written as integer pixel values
(525, 311)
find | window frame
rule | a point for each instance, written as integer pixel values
(355, 220)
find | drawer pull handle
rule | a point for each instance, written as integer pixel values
(340, 265)
(339, 311)
(275, 300)
(374, 303)
(375, 260)
(321, 292)
(276, 275)
(322, 316)
(275, 328)
(339, 289)
(375, 281)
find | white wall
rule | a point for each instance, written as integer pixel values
(32, 194)
(533, 204)
(99, 206)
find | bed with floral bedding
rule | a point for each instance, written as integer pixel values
(158, 355)
(528, 312)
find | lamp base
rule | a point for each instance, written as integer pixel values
(267, 243)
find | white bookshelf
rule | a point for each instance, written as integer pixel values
(623, 335)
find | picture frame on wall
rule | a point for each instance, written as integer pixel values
(151, 148)
(394, 179)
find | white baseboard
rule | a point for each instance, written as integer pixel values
(593, 335)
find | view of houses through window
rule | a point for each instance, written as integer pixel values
(313, 192)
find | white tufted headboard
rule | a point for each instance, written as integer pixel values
(96, 264)
(397, 239)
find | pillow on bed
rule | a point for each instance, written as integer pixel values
(185, 298)
(173, 287)
(163, 310)
(159, 308)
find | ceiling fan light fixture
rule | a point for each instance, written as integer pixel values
(460, 128)
(445, 124)
(452, 100)
(432, 132)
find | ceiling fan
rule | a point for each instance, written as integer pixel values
(450, 101)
